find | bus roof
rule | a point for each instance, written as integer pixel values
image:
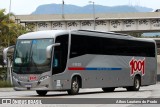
(112, 35)
(42, 34)
(54, 33)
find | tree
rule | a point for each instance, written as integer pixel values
(3, 26)
(9, 30)
(135, 34)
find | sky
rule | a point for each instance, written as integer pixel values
(22, 7)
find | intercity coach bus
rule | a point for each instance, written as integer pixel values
(67, 60)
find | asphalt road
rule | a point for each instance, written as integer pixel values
(152, 91)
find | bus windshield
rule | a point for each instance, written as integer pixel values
(30, 56)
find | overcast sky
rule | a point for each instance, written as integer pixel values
(28, 6)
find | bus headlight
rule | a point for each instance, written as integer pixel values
(44, 78)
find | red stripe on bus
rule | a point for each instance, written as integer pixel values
(75, 68)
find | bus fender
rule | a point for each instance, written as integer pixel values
(75, 74)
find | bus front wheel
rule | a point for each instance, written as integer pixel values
(75, 85)
(41, 92)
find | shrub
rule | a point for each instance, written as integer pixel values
(5, 84)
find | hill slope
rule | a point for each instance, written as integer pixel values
(88, 9)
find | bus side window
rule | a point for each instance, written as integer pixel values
(55, 61)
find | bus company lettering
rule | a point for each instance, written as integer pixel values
(137, 66)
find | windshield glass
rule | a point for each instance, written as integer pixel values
(30, 56)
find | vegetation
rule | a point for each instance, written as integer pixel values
(3, 77)
(10, 30)
(3, 74)
(5, 84)
(135, 34)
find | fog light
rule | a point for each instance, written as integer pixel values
(44, 78)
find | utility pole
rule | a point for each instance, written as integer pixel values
(94, 19)
(62, 9)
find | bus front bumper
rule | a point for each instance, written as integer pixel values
(30, 89)
(34, 85)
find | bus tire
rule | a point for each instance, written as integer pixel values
(136, 84)
(110, 89)
(75, 85)
(41, 92)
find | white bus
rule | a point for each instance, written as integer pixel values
(62, 60)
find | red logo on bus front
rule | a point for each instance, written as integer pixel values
(32, 77)
(137, 66)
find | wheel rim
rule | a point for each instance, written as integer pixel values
(137, 83)
(75, 86)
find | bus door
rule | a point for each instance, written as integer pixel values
(60, 55)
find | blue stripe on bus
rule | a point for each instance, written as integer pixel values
(103, 68)
(91, 69)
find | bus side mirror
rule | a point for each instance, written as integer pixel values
(5, 52)
(49, 49)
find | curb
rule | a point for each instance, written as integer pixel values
(6, 89)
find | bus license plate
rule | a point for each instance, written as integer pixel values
(28, 86)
